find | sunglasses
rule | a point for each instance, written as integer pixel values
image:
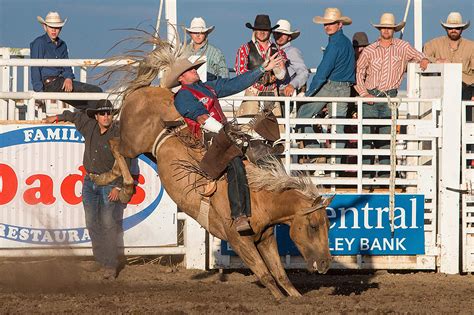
(455, 28)
(104, 112)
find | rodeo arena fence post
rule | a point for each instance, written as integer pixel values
(409, 220)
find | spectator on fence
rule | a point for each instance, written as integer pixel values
(335, 73)
(102, 207)
(297, 71)
(380, 70)
(252, 55)
(199, 46)
(453, 48)
(56, 79)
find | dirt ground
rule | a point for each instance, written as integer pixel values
(52, 286)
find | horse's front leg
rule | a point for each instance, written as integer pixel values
(120, 168)
(269, 250)
(247, 251)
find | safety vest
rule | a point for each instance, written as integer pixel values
(211, 103)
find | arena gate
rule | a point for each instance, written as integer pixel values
(40, 175)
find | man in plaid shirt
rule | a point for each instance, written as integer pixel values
(254, 54)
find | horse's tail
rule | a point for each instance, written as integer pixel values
(143, 65)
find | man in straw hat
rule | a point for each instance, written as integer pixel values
(455, 49)
(380, 70)
(335, 73)
(56, 79)
(198, 103)
(253, 54)
(297, 71)
(102, 206)
(199, 46)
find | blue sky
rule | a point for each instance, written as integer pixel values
(89, 33)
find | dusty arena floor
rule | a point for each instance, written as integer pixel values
(54, 286)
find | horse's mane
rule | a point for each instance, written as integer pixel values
(151, 56)
(271, 176)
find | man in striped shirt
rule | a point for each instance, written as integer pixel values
(379, 73)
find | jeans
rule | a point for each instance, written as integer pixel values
(310, 110)
(79, 87)
(103, 220)
(379, 111)
(238, 188)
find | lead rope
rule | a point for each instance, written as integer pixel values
(393, 159)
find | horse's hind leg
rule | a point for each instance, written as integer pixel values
(245, 248)
(269, 250)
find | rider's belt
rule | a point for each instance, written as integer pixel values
(49, 80)
(341, 83)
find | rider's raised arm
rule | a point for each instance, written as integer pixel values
(226, 87)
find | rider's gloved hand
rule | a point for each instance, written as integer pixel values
(212, 125)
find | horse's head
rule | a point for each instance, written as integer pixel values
(309, 231)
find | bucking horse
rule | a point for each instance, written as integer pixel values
(147, 114)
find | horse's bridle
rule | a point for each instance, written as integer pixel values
(317, 207)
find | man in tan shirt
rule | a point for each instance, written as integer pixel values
(455, 49)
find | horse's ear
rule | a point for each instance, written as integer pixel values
(327, 201)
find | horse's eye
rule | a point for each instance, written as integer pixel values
(313, 222)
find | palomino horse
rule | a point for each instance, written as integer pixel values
(276, 198)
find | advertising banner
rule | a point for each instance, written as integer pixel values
(360, 224)
(41, 175)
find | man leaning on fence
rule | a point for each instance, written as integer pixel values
(453, 48)
(102, 206)
(252, 55)
(380, 70)
(56, 79)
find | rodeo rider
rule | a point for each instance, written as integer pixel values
(198, 103)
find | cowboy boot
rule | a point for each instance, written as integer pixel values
(239, 196)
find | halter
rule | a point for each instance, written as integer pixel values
(322, 206)
(312, 209)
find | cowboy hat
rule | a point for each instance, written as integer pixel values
(101, 105)
(284, 27)
(180, 66)
(387, 20)
(262, 22)
(198, 25)
(52, 20)
(332, 15)
(360, 39)
(454, 20)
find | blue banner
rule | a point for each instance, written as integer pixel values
(360, 224)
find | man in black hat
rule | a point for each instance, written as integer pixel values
(102, 207)
(255, 53)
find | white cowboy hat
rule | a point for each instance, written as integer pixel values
(332, 15)
(387, 20)
(285, 28)
(198, 25)
(52, 20)
(454, 20)
(180, 66)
